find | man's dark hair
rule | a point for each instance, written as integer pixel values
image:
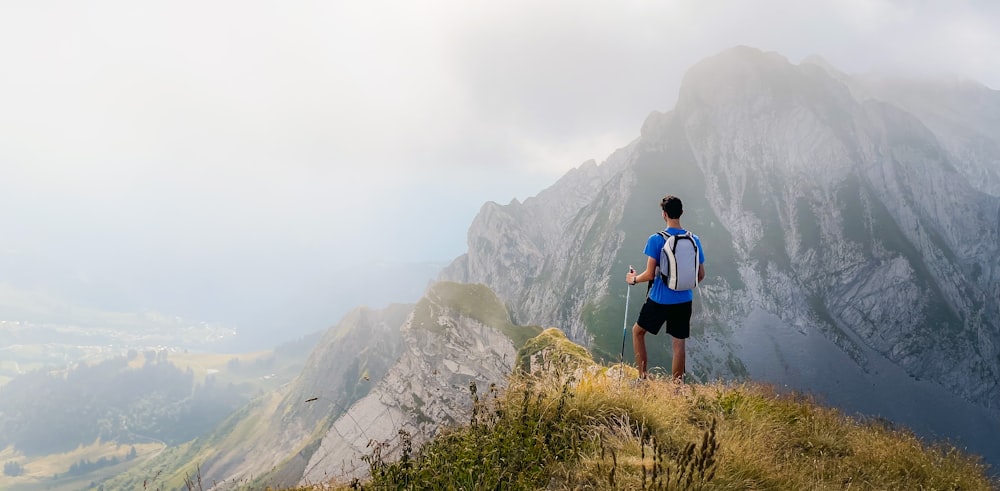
(672, 205)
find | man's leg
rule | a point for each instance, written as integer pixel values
(639, 344)
(678, 363)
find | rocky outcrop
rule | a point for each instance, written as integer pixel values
(553, 351)
(512, 247)
(457, 335)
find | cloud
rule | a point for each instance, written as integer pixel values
(252, 87)
(289, 135)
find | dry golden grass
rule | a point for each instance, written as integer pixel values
(665, 435)
(771, 441)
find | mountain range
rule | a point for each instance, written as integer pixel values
(851, 226)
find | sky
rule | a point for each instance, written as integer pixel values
(197, 157)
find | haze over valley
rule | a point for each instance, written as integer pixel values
(249, 250)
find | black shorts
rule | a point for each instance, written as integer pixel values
(677, 316)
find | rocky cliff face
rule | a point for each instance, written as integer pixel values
(868, 215)
(457, 335)
(851, 232)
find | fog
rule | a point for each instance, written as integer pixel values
(268, 165)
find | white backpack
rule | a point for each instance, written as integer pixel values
(679, 261)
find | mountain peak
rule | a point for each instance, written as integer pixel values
(738, 63)
(732, 75)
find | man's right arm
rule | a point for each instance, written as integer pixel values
(648, 274)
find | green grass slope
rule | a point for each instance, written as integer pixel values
(475, 301)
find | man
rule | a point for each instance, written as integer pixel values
(664, 305)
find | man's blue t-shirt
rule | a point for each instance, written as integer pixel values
(660, 293)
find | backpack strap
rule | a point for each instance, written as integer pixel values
(649, 286)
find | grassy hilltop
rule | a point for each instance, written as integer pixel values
(572, 424)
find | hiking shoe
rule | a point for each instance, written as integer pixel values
(639, 382)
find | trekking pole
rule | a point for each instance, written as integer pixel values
(621, 359)
(701, 307)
